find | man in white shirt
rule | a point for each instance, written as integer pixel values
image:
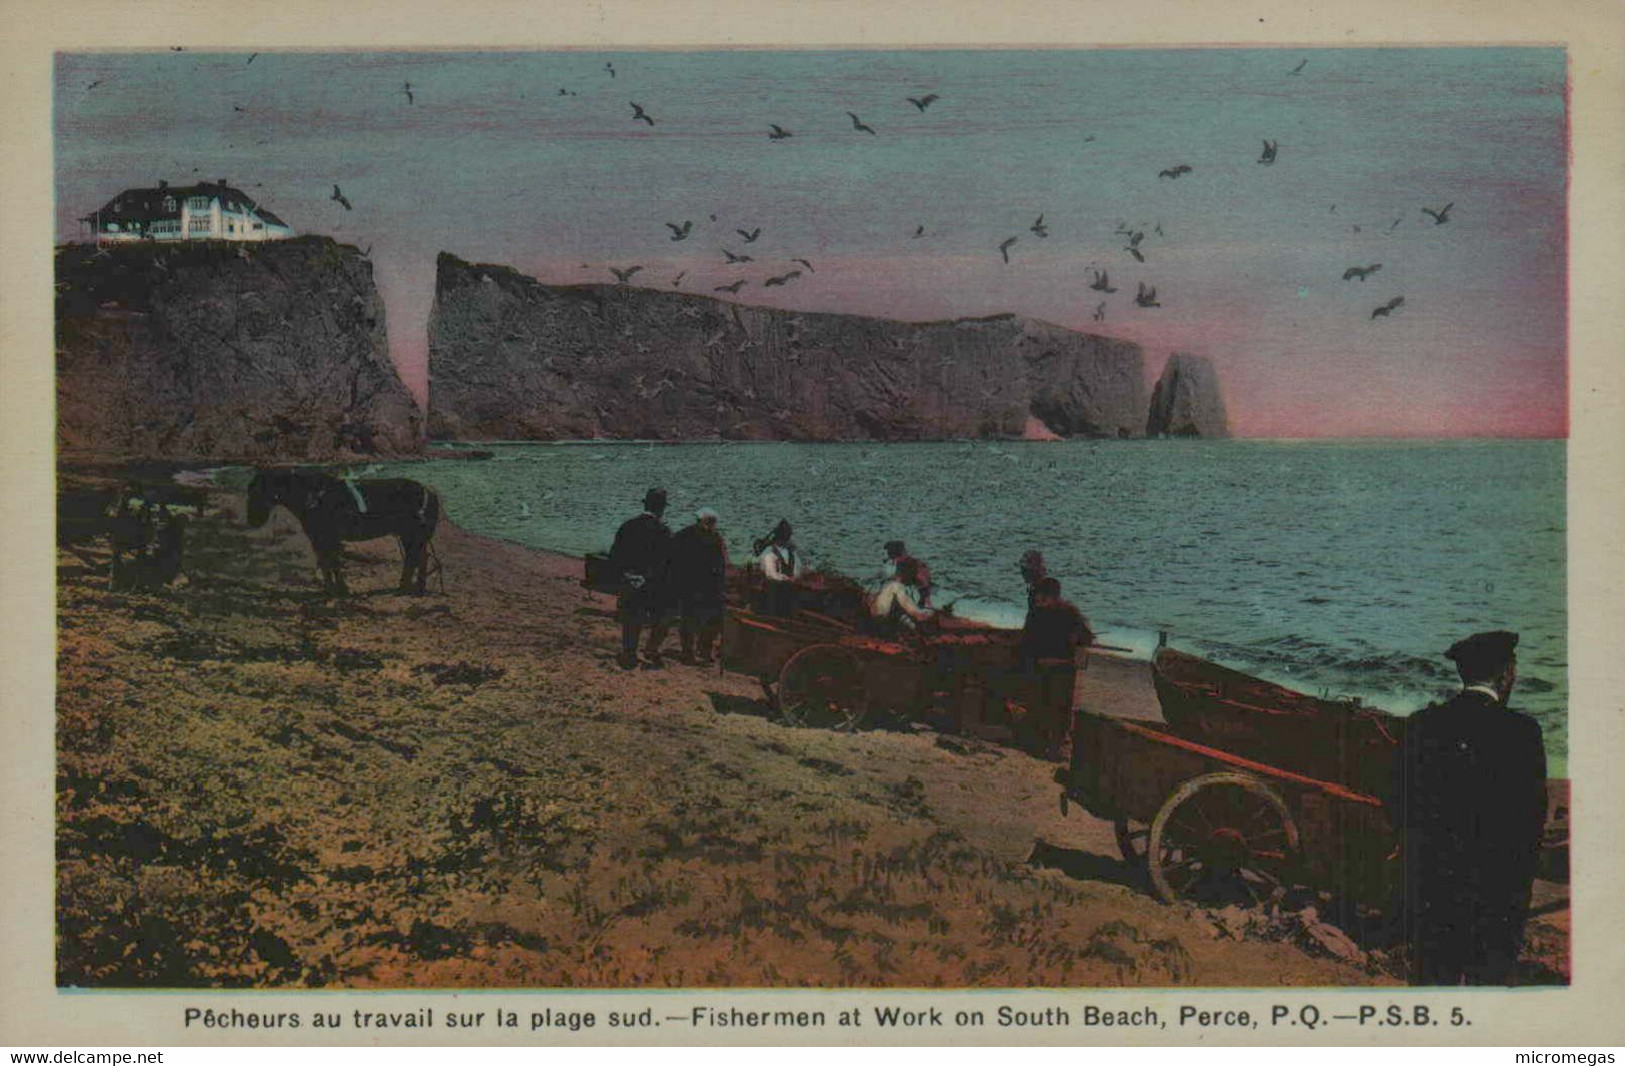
(781, 566)
(895, 606)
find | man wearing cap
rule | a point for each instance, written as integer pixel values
(1055, 627)
(896, 553)
(699, 575)
(1473, 798)
(782, 567)
(640, 556)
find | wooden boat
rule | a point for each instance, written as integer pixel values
(1332, 740)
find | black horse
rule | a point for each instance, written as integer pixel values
(333, 511)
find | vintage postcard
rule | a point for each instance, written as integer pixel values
(1072, 531)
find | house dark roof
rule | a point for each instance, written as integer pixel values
(147, 205)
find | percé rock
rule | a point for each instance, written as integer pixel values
(1186, 400)
(511, 358)
(272, 351)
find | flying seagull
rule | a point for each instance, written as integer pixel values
(624, 276)
(1441, 216)
(1361, 272)
(611, 68)
(1299, 67)
(857, 125)
(639, 115)
(340, 198)
(919, 231)
(779, 132)
(1039, 228)
(407, 89)
(1139, 256)
(678, 280)
(732, 258)
(1146, 297)
(734, 288)
(923, 102)
(806, 264)
(1102, 282)
(1174, 172)
(751, 236)
(1388, 308)
(1004, 248)
(782, 278)
(680, 232)
(1100, 311)
(1269, 153)
(251, 59)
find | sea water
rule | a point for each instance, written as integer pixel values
(1335, 567)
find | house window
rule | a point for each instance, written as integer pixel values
(169, 203)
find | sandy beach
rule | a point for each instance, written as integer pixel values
(262, 787)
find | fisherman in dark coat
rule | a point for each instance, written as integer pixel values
(1055, 629)
(699, 578)
(1473, 797)
(1054, 625)
(639, 557)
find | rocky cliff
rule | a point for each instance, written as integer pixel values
(256, 352)
(1186, 402)
(512, 358)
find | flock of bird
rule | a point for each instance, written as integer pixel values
(1133, 236)
(1145, 295)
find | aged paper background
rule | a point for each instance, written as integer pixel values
(32, 1011)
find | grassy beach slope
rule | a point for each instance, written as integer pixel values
(261, 787)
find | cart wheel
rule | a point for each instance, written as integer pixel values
(822, 686)
(1132, 842)
(1226, 837)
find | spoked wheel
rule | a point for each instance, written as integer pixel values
(1223, 838)
(1132, 842)
(821, 686)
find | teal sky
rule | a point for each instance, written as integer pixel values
(491, 163)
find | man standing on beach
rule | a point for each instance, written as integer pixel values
(699, 574)
(640, 556)
(1473, 799)
(1054, 628)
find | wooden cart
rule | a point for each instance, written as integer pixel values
(1216, 825)
(818, 671)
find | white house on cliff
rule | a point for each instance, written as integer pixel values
(203, 212)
